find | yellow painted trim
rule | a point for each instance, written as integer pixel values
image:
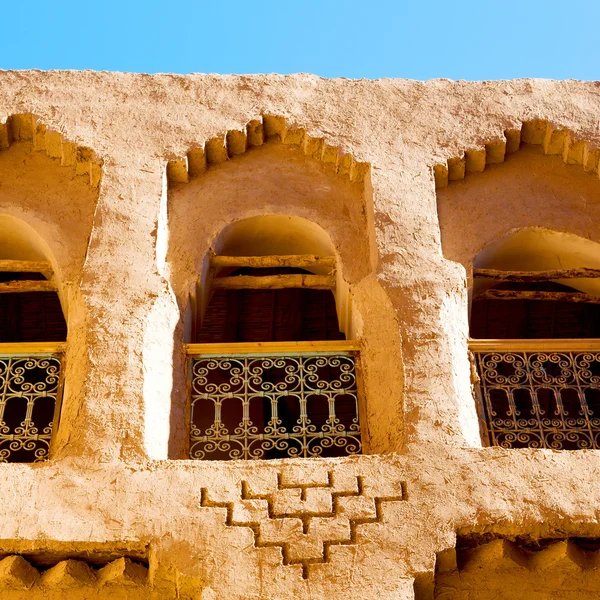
(541, 345)
(33, 348)
(278, 347)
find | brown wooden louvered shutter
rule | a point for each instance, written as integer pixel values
(525, 319)
(31, 316)
(270, 315)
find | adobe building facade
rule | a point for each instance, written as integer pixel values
(133, 189)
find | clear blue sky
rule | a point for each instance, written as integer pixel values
(420, 39)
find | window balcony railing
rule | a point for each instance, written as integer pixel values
(273, 400)
(539, 393)
(31, 385)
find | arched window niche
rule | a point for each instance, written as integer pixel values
(33, 332)
(524, 201)
(271, 189)
(274, 353)
(48, 198)
(535, 338)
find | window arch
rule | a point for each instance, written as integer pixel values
(313, 305)
(272, 285)
(32, 332)
(526, 286)
(483, 198)
(535, 324)
(222, 186)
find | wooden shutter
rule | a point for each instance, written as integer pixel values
(526, 319)
(270, 315)
(31, 316)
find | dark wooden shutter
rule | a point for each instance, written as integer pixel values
(31, 316)
(526, 319)
(269, 315)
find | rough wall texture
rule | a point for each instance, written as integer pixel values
(128, 250)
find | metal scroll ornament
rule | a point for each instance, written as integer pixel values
(29, 391)
(540, 399)
(257, 407)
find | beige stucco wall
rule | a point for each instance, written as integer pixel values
(128, 252)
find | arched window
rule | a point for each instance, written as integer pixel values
(32, 333)
(535, 329)
(273, 373)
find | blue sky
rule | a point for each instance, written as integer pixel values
(419, 39)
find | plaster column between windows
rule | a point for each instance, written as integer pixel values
(432, 318)
(104, 409)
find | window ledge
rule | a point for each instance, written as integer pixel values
(274, 347)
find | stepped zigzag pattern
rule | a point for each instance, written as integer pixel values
(554, 141)
(306, 520)
(257, 132)
(27, 128)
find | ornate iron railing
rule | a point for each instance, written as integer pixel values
(30, 393)
(539, 393)
(276, 400)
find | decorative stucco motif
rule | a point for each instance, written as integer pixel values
(305, 519)
(553, 140)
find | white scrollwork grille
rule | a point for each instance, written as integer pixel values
(276, 406)
(30, 387)
(540, 399)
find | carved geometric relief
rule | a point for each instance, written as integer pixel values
(27, 128)
(304, 520)
(269, 128)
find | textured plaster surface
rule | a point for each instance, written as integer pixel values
(113, 477)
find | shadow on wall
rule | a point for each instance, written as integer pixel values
(274, 199)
